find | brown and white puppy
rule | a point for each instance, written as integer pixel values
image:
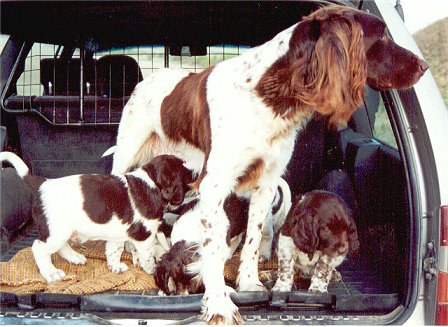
(318, 234)
(114, 208)
(178, 269)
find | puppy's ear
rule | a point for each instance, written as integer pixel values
(161, 277)
(151, 170)
(353, 241)
(305, 233)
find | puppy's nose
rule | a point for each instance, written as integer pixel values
(343, 248)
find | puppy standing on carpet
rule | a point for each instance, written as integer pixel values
(114, 208)
(318, 233)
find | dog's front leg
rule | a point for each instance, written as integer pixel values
(260, 204)
(145, 254)
(217, 306)
(113, 256)
(285, 276)
(322, 275)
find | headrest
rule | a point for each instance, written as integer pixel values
(117, 75)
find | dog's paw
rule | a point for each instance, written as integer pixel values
(250, 285)
(220, 310)
(264, 258)
(317, 289)
(148, 265)
(282, 286)
(76, 258)
(336, 276)
(53, 275)
(135, 261)
(265, 251)
(119, 268)
(161, 293)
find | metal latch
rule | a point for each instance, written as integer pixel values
(430, 262)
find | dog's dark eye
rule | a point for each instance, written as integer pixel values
(325, 232)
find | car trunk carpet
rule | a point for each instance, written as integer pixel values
(20, 275)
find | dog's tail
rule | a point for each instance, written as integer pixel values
(282, 204)
(18, 164)
(109, 151)
(22, 170)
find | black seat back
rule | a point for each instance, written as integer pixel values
(117, 75)
(62, 77)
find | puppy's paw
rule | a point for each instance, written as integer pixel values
(265, 251)
(336, 276)
(264, 258)
(161, 293)
(282, 286)
(148, 268)
(76, 258)
(317, 289)
(119, 268)
(53, 275)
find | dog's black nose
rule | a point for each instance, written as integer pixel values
(423, 66)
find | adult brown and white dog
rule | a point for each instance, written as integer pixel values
(114, 208)
(316, 237)
(178, 270)
(236, 123)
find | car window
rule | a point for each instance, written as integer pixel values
(149, 58)
(153, 57)
(380, 125)
(3, 40)
(382, 129)
(29, 82)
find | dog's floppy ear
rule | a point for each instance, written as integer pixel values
(151, 170)
(353, 241)
(161, 277)
(304, 233)
(337, 67)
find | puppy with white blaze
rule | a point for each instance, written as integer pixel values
(235, 123)
(115, 208)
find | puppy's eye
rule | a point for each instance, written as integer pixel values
(325, 232)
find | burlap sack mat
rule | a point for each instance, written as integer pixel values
(21, 276)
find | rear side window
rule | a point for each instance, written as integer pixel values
(52, 85)
(379, 121)
(29, 83)
(382, 129)
(3, 40)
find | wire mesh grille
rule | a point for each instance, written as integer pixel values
(54, 87)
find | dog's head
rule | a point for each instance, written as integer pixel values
(170, 176)
(332, 54)
(322, 221)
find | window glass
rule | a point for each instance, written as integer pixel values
(380, 125)
(382, 128)
(3, 40)
(29, 82)
(151, 58)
